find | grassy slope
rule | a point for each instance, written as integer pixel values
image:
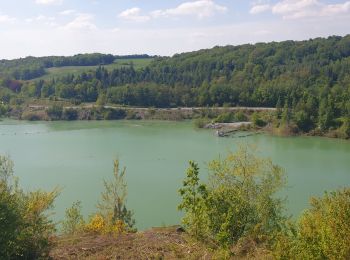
(62, 71)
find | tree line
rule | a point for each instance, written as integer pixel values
(32, 67)
(307, 79)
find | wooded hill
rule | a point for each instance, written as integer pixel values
(309, 79)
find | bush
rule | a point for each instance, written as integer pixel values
(114, 114)
(303, 121)
(25, 227)
(240, 117)
(3, 109)
(96, 224)
(257, 120)
(322, 231)
(55, 112)
(225, 118)
(74, 220)
(193, 203)
(345, 128)
(70, 114)
(34, 116)
(112, 206)
(201, 122)
(239, 200)
(10, 219)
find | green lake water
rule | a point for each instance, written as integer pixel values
(77, 156)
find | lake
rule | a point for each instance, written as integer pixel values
(77, 156)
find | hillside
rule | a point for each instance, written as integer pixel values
(308, 80)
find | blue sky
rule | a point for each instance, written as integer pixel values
(66, 27)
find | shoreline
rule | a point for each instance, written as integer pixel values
(90, 112)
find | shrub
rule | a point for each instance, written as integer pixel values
(322, 232)
(240, 117)
(70, 114)
(193, 202)
(34, 116)
(96, 224)
(114, 114)
(112, 206)
(200, 122)
(74, 220)
(24, 223)
(55, 112)
(225, 118)
(303, 121)
(239, 200)
(345, 128)
(257, 120)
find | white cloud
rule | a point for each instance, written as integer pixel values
(134, 14)
(49, 2)
(336, 9)
(79, 33)
(259, 8)
(200, 8)
(42, 19)
(6, 19)
(68, 12)
(115, 30)
(165, 41)
(81, 22)
(295, 9)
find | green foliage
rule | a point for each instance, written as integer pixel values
(239, 200)
(326, 114)
(306, 76)
(345, 128)
(240, 117)
(322, 232)
(193, 196)
(201, 122)
(112, 206)
(74, 220)
(227, 117)
(257, 120)
(24, 223)
(286, 114)
(3, 109)
(10, 220)
(38, 228)
(55, 112)
(114, 114)
(303, 121)
(70, 114)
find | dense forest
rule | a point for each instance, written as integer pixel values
(308, 81)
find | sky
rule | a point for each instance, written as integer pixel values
(160, 27)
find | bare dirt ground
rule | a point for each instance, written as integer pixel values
(156, 243)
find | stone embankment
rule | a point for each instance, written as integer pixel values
(236, 125)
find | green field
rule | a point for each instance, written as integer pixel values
(57, 72)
